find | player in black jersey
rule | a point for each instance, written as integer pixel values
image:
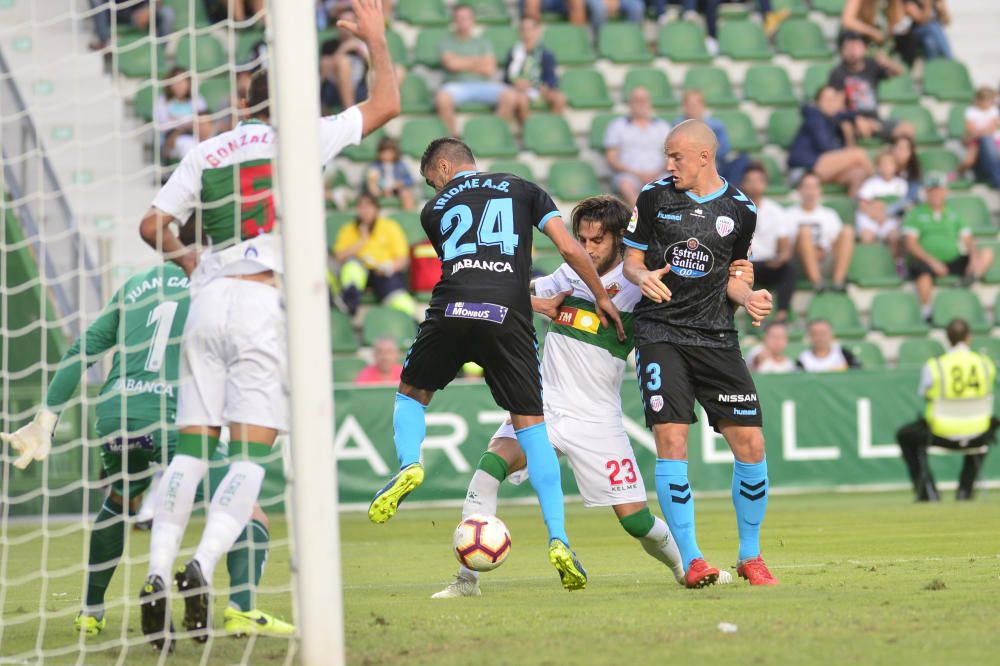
(481, 226)
(685, 231)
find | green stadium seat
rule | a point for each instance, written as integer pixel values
(381, 321)
(951, 303)
(742, 135)
(334, 221)
(796, 8)
(519, 169)
(598, 128)
(914, 353)
(733, 12)
(996, 310)
(346, 369)
(868, 354)
(366, 150)
(947, 80)
(840, 311)
(585, 89)
(744, 40)
(409, 221)
(572, 180)
(769, 85)
(795, 349)
(145, 98)
(873, 266)
(569, 43)
(992, 275)
(977, 216)
(845, 206)
(714, 84)
(489, 12)
(489, 136)
(898, 313)
(989, 346)
(776, 185)
(942, 160)
(200, 53)
(548, 134)
(623, 43)
(503, 38)
(898, 90)
(816, 76)
(415, 95)
(956, 121)
(422, 12)
(342, 338)
(184, 17)
(425, 51)
(418, 132)
(397, 48)
(829, 7)
(245, 41)
(683, 41)
(922, 121)
(217, 91)
(655, 81)
(141, 58)
(782, 126)
(546, 264)
(802, 39)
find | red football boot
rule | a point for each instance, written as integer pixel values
(700, 574)
(756, 572)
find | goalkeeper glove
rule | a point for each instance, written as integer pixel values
(33, 441)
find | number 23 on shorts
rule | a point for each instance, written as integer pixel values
(617, 468)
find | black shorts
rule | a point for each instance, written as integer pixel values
(499, 339)
(671, 376)
(955, 267)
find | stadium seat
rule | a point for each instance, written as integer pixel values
(816, 76)
(914, 353)
(200, 53)
(733, 12)
(366, 150)
(989, 346)
(415, 95)
(346, 369)
(782, 126)
(144, 99)
(947, 80)
(956, 121)
(216, 90)
(418, 132)
(342, 338)
(569, 43)
(973, 210)
(572, 180)
(489, 12)
(585, 89)
(683, 41)
(802, 39)
(598, 128)
(714, 84)
(840, 311)
(422, 12)
(409, 221)
(655, 81)
(922, 121)
(184, 17)
(845, 206)
(776, 184)
(503, 38)
(769, 85)
(489, 136)
(397, 48)
(942, 160)
(868, 354)
(548, 134)
(829, 7)
(897, 313)
(381, 321)
(873, 266)
(516, 167)
(951, 303)
(623, 43)
(425, 51)
(744, 40)
(742, 135)
(992, 275)
(334, 221)
(141, 58)
(246, 40)
(898, 90)
(796, 8)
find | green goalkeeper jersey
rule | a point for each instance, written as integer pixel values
(143, 323)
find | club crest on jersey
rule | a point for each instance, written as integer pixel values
(634, 220)
(689, 259)
(656, 403)
(613, 289)
(724, 225)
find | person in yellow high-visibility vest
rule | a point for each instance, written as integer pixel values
(958, 387)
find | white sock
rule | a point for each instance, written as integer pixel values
(480, 498)
(660, 544)
(173, 509)
(229, 513)
(149, 501)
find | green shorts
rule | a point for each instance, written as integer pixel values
(142, 445)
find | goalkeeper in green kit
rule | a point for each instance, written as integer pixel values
(135, 415)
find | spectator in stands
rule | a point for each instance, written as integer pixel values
(928, 17)
(633, 146)
(822, 144)
(530, 73)
(769, 356)
(825, 243)
(982, 134)
(824, 353)
(958, 388)
(880, 202)
(389, 176)
(237, 10)
(386, 369)
(709, 10)
(179, 114)
(470, 68)
(773, 241)
(578, 11)
(730, 164)
(861, 17)
(135, 13)
(372, 253)
(939, 243)
(908, 167)
(858, 76)
(343, 69)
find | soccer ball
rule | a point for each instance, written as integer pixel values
(481, 542)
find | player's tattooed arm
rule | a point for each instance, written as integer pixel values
(650, 282)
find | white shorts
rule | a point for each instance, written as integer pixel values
(233, 357)
(600, 455)
(864, 223)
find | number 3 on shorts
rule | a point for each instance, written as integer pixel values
(653, 372)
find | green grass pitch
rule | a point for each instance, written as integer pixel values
(865, 578)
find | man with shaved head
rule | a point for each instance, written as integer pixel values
(686, 230)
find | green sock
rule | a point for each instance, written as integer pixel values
(248, 554)
(107, 541)
(494, 465)
(639, 523)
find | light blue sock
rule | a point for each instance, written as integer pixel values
(543, 472)
(677, 505)
(750, 500)
(408, 429)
